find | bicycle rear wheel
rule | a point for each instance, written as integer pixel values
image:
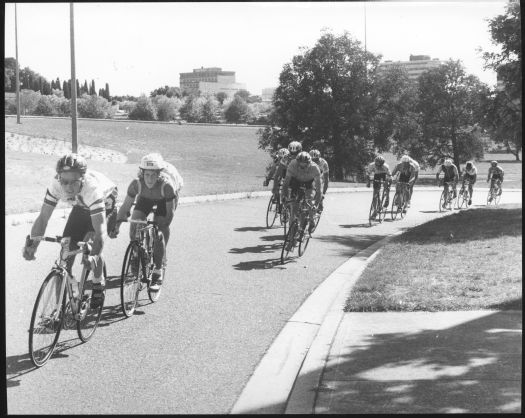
(271, 212)
(382, 210)
(288, 243)
(46, 319)
(497, 196)
(402, 209)
(89, 317)
(130, 284)
(442, 201)
(285, 217)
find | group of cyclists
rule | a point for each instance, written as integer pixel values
(93, 197)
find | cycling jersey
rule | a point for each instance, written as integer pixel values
(323, 166)
(97, 193)
(159, 194)
(451, 172)
(406, 172)
(375, 170)
(469, 173)
(496, 172)
(414, 163)
(280, 172)
(307, 177)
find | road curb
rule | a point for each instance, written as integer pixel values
(287, 378)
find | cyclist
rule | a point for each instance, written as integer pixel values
(325, 171)
(407, 173)
(469, 173)
(276, 160)
(376, 171)
(153, 186)
(495, 175)
(294, 148)
(303, 172)
(417, 167)
(93, 197)
(451, 176)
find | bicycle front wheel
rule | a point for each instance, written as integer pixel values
(304, 239)
(497, 196)
(271, 212)
(442, 201)
(285, 217)
(371, 214)
(395, 208)
(89, 317)
(289, 242)
(130, 284)
(154, 295)
(46, 319)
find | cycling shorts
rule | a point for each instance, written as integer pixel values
(404, 177)
(146, 205)
(377, 178)
(496, 177)
(448, 179)
(79, 222)
(295, 186)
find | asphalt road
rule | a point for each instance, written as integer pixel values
(225, 299)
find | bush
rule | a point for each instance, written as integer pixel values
(10, 106)
(144, 110)
(44, 107)
(61, 105)
(127, 106)
(167, 108)
(94, 107)
(237, 111)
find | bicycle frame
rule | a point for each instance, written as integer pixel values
(61, 268)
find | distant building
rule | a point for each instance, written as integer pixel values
(210, 80)
(416, 66)
(267, 94)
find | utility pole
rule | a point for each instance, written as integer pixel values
(17, 72)
(74, 146)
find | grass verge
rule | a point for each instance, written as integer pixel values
(467, 261)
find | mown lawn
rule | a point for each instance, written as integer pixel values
(469, 260)
(211, 159)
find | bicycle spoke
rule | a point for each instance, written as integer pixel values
(89, 316)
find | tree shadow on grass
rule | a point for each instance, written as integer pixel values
(472, 366)
(475, 224)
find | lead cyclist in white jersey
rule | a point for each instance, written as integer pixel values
(93, 197)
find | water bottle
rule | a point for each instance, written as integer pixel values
(74, 285)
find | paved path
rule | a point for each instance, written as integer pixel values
(225, 300)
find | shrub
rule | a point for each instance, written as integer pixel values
(167, 108)
(127, 106)
(94, 107)
(44, 107)
(237, 111)
(144, 110)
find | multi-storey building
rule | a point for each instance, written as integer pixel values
(267, 94)
(416, 66)
(210, 80)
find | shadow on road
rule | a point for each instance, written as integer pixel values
(258, 264)
(351, 244)
(279, 237)
(367, 225)
(251, 228)
(473, 367)
(263, 248)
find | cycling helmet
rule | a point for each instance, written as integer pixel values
(469, 165)
(379, 160)
(405, 159)
(72, 163)
(283, 152)
(295, 147)
(494, 163)
(153, 161)
(304, 157)
(448, 162)
(315, 154)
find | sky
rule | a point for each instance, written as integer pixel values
(138, 47)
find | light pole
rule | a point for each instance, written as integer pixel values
(74, 145)
(17, 72)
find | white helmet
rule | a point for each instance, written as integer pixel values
(295, 147)
(405, 159)
(448, 162)
(283, 152)
(153, 161)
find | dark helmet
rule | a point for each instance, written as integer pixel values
(71, 163)
(469, 165)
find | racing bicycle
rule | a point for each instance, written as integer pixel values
(464, 195)
(62, 302)
(377, 210)
(494, 194)
(138, 266)
(400, 200)
(447, 197)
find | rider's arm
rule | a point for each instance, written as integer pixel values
(123, 212)
(98, 220)
(39, 226)
(325, 181)
(489, 173)
(286, 182)
(317, 181)
(170, 202)
(456, 174)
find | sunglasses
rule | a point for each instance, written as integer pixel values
(69, 182)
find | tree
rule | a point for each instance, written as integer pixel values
(92, 90)
(210, 108)
(191, 109)
(84, 89)
(9, 74)
(237, 111)
(505, 105)
(167, 108)
(57, 83)
(94, 107)
(243, 94)
(44, 107)
(46, 88)
(448, 105)
(324, 99)
(65, 89)
(221, 96)
(28, 101)
(106, 90)
(144, 110)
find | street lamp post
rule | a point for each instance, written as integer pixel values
(74, 145)
(17, 72)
